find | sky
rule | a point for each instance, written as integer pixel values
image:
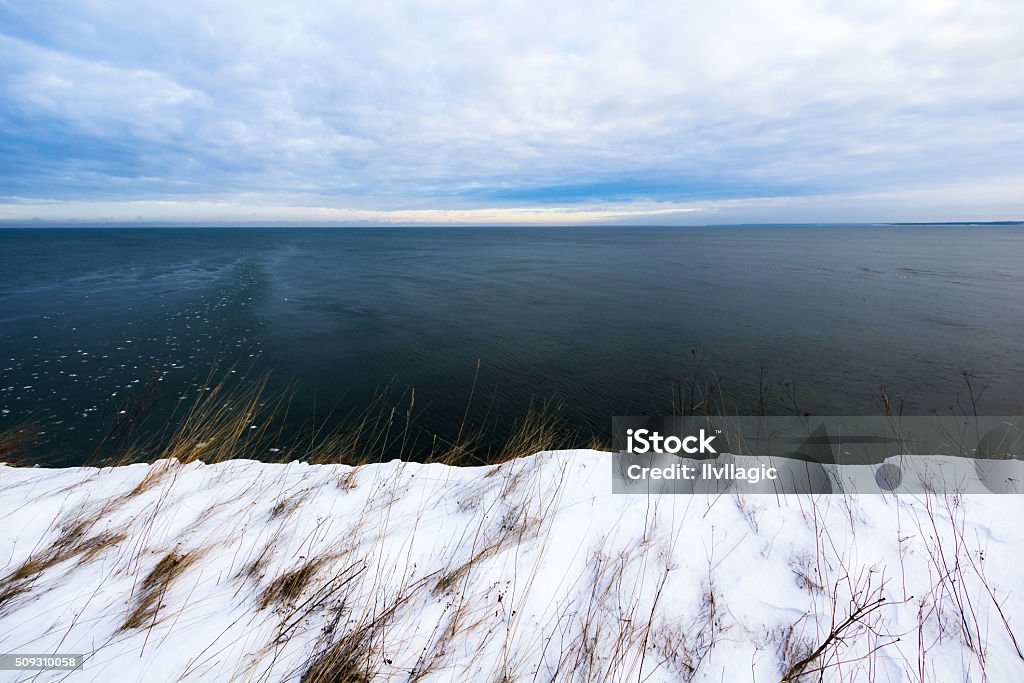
(555, 112)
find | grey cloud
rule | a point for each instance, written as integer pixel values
(397, 104)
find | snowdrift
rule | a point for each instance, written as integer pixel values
(527, 571)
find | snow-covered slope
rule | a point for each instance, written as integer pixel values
(529, 571)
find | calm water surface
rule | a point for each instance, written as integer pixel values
(604, 320)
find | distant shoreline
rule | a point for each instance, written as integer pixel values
(964, 223)
(14, 224)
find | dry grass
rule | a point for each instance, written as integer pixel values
(353, 655)
(346, 661)
(153, 476)
(232, 418)
(15, 443)
(359, 438)
(73, 541)
(287, 506)
(613, 619)
(287, 588)
(520, 527)
(805, 572)
(11, 589)
(92, 546)
(541, 429)
(348, 480)
(223, 424)
(793, 647)
(155, 585)
(256, 569)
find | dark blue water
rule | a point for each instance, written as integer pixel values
(604, 320)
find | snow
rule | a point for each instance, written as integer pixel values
(528, 571)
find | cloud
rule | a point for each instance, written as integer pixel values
(583, 107)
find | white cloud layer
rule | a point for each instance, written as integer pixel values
(467, 110)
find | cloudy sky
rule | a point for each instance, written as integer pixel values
(645, 111)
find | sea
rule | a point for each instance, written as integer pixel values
(457, 327)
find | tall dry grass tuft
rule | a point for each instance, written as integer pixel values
(345, 662)
(73, 541)
(15, 442)
(170, 567)
(541, 429)
(361, 437)
(287, 588)
(234, 416)
(224, 423)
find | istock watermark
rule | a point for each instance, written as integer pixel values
(873, 454)
(647, 441)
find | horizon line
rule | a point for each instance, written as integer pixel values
(41, 223)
